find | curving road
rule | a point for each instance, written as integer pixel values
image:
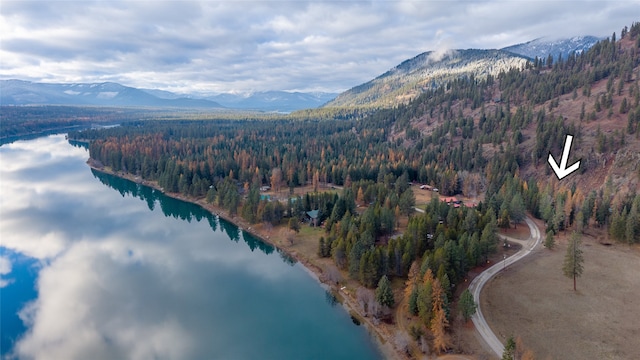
(476, 285)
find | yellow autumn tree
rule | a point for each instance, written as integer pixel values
(360, 195)
(414, 271)
(439, 323)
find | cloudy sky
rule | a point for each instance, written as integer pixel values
(240, 46)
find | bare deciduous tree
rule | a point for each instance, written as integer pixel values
(365, 298)
(333, 274)
(402, 341)
(276, 179)
(424, 345)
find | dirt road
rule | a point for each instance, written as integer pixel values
(476, 285)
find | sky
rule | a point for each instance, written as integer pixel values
(239, 46)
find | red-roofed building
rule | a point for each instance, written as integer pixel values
(449, 199)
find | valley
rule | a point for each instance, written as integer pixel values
(400, 193)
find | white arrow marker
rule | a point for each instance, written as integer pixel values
(562, 170)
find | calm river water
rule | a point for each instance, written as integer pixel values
(96, 267)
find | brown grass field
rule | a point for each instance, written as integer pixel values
(534, 300)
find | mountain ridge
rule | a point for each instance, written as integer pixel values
(427, 70)
(543, 47)
(20, 92)
(274, 100)
(431, 69)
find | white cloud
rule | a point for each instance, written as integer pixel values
(222, 46)
(5, 268)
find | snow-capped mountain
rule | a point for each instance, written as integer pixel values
(18, 92)
(542, 47)
(426, 71)
(434, 68)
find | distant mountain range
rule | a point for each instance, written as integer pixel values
(18, 92)
(432, 69)
(281, 101)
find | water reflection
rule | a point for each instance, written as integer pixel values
(330, 298)
(141, 275)
(184, 211)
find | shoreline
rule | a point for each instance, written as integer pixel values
(382, 340)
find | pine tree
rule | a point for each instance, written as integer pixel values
(517, 209)
(632, 231)
(384, 294)
(321, 247)
(294, 224)
(466, 305)
(617, 227)
(340, 254)
(549, 241)
(413, 301)
(509, 349)
(211, 195)
(573, 260)
(425, 292)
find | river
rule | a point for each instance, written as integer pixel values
(97, 267)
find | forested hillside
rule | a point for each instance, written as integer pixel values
(486, 138)
(429, 70)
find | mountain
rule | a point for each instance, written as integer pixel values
(281, 101)
(434, 68)
(542, 47)
(18, 92)
(426, 71)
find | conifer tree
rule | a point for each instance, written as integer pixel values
(294, 224)
(413, 301)
(509, 349)
(573, 259)
(517, 209)
(321, 247)
(632, 231)
(618, 224)
(425, 298)
(466, 305)
(384, 294)
(549, 241)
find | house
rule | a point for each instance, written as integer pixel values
(426, 187)
(312, 217)
(450, 200)
(265, 188)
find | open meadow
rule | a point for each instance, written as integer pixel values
(535, 301)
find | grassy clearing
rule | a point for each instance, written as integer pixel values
(600, 321)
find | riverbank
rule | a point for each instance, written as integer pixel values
(382, 333)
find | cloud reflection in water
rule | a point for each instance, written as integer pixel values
(121, 281)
